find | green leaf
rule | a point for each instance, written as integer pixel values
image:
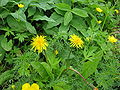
(58, 88)
(78, 23)
(39, 17)
(63, 6)
(45, 6)
(15, 25)
(90, 67)
(2, 51)
(40, 69)
(67, 18)
(6, 76)
(53, 61)
(30, 28)
(79, 12)
(6, 45)
(19, 15)
(58, 19)
(3, 2)
(31, 11)
(63, 31)
(48, 69)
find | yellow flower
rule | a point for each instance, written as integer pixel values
(112, 39)
(13, 86)
(99, 10)
(27, 86)
(20, 5)
(99, 21)
(76, 41)
(35, 86)
(56, 52)
(39, 43)
(116, 11)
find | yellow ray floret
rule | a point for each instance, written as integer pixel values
(39, 43)
(76, 41)
(99, 9)
(112, 39)
(20, 5)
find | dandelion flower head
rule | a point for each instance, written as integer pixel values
(76, 41)
(27, 86)
(39, 43)
(112, 39)
(99, 9)
(20, 5)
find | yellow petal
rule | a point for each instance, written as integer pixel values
(26, 86)
(35, 86)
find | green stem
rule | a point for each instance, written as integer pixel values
(104, 22)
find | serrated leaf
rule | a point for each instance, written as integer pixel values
(63, 6)
(6, 45)
(31, 28)
(67, 18)
(79, 12)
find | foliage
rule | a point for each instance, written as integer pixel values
(97, 61)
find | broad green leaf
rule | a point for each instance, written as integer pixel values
(78, 23)
(6, 45)
(15, 25)
(63, 6)
(3, 2)
(63, 31)
(45, 6)
(39, 17)
(67, 18)
(90, 67)
(19, 15)
(4, 13)
(30, 28)
(31, 11)
(79, 12)
(57, 18)
(51, 31)
(48, 69)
